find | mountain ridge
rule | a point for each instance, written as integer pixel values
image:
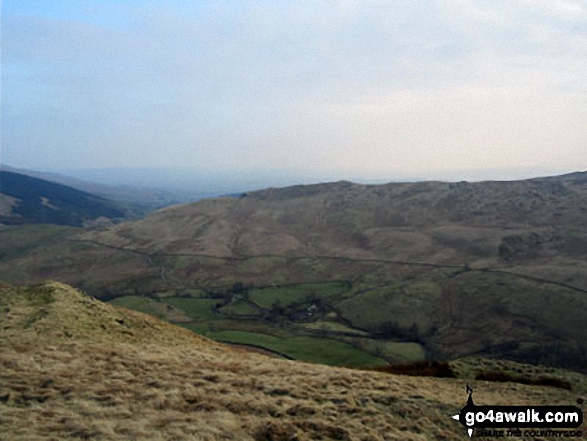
(363, 213)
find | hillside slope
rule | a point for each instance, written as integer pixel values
(74, 368)
(425, 221)
(26, 200)
(537, 227)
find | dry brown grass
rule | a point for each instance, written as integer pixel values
(162, 383)
(540, 381)
(439, 369)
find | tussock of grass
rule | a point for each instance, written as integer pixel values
(440, 369)
(504, 377)
(473, 367)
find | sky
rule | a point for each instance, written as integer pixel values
(346, 87)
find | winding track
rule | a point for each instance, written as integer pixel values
(149, 256)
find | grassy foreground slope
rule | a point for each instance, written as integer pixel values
(74, 368)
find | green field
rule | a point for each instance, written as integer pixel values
(141, 304)
(394, 352)
(204, 321)
(190, 293)
(315, 350)
(196, 309)
(291, 294)
(240, 307)
(404, 304)
(199, 328)
(330, 326)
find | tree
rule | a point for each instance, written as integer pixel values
(389, 329)
(238, 288)
(276, 308)
(227, 297)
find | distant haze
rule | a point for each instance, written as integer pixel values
(228, 181)
(300, 90)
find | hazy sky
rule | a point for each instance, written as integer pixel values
(363, 86)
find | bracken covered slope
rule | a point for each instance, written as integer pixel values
(72, 367)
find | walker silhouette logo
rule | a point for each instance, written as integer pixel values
(516, 418)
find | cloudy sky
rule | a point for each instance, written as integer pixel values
(368, 87)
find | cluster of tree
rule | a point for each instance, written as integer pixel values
(392, 330)
(569, 357)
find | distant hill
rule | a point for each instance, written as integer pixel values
(26, 200)
(139, 199)
(76, 368)
(435, 222)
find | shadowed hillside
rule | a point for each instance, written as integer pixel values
(140, 200)
(26, 200)
(74, 368)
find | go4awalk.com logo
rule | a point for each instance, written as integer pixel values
(528, 421)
